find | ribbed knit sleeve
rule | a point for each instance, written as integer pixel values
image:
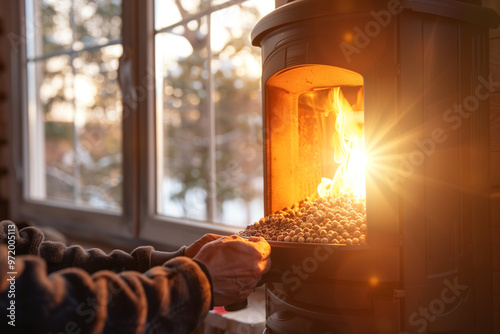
(172, 298)
(57, 255)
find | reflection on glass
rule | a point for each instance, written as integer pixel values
(210, 141)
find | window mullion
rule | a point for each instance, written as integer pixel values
(77, 149)
(129, 84)
(148, 120)
(36, 138)
(36, 132)
(91, 48)
(212, 173)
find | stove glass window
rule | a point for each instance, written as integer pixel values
(316, 152)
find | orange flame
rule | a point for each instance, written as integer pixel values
(348, 142)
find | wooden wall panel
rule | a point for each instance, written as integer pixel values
(4, 161)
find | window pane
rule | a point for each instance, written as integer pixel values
(183, 115)
(48, 26)
(209, 110)
(168, 12)
(74, 118)
(96, 22)
(99, 107)
(56, 101)
(236, 66)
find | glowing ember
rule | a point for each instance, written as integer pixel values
(348, 142)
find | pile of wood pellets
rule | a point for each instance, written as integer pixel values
(330, 220)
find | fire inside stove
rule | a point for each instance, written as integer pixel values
(347, 140)
(317, 122)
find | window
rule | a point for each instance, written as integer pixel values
(209, 111)
(74, 103)
(143, 117)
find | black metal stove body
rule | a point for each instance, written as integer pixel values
(423, 67)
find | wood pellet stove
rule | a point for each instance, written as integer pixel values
(411, 77)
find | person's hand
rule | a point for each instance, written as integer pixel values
(195, 247)
(235, 266)
(158, 258)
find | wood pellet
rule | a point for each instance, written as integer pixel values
(330, 220)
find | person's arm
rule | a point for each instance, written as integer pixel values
(30, 241)
(173, 298)
(224, 270)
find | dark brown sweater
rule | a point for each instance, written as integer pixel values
(53, 288)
